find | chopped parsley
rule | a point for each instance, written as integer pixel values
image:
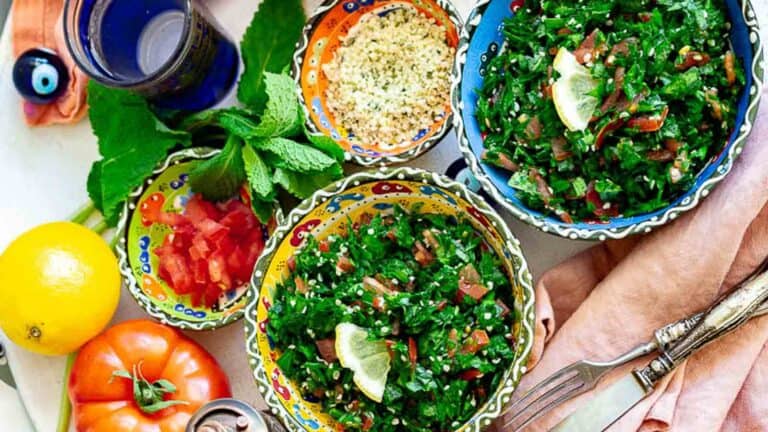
(425, 283)
(668, 88)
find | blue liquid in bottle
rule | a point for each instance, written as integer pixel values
(142, 45)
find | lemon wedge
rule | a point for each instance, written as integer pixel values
(571, 92)
(369, 360)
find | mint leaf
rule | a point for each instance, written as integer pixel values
(268, 46)
(220, 177)
(132, 141)
(303, 185)
(262, 209)
(294, 156)
(283, 115)
(325, 144)
(259, 174)
(238, 122)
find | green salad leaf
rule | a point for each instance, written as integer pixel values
(289, 154)
(302, 185)
(268, 46)
(259, 174)
(132, 142)
(220, 177)
(283, 115)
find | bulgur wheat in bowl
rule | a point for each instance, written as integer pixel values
(376, 77)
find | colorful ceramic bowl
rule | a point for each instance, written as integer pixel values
(481, 40)
(322, 36)
(327, 212)
(169, 189)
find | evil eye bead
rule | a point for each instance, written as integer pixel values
(40, 76)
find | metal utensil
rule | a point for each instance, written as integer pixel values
(582, 376)
(620, 397)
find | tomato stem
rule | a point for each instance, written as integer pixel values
(149, 396)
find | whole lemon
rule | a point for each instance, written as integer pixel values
(59, 287)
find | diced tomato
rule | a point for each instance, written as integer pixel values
(422, 255)
(477, 341)
(650, 123)
(236, 265)
(367, 423)
(198, 210)
(470, 375)
(474, 290)
(344, 265)
(379, 304)
(175, 266)
(413, 352)
(291, 263)
(324, 246)
(593, 197)
(453, 341)
(301, 286)
(442, 305)
(327, 349)
(172, 219)
(200, 250)
(211, 250)
(374, 285)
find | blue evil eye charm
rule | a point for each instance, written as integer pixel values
(40, 76)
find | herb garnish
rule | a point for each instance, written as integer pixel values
(264, 142)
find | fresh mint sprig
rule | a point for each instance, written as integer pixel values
(264, 142)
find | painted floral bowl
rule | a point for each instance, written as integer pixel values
(168, 188)
(322, 35)
(327, 212)
(481, 39)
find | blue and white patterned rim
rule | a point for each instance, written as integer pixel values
(144, 301)
(366, 161)
(597, 232)
(502, 396)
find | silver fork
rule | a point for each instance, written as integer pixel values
(582, 376)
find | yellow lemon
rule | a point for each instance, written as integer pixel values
(59, 287)
(369, 360)
(571, 93)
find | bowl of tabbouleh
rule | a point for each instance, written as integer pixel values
(375, 76)
(393, 300)
(600, 119)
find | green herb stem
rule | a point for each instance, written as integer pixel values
(83, 214)
(65, 407)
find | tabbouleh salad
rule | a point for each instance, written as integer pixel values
(426, 284)
(667, 85)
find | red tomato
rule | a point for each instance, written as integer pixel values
(148, 352)
(413, 352)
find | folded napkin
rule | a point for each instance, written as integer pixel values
(612, 297)
(38, 24)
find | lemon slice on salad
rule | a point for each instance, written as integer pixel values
(369, 360)
(571, 92)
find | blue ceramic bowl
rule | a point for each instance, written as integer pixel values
(481, 39)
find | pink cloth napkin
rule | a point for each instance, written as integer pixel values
(612, 297)
(38, 24)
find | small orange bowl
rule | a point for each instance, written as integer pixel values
(323, 35)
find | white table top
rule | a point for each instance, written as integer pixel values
(43, 179)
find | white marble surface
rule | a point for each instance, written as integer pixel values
(43, 179)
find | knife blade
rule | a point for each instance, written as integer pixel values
(607, 407)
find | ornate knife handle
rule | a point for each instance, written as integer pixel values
(720, 319)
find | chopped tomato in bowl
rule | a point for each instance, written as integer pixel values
(211, 250)
(186, 260)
